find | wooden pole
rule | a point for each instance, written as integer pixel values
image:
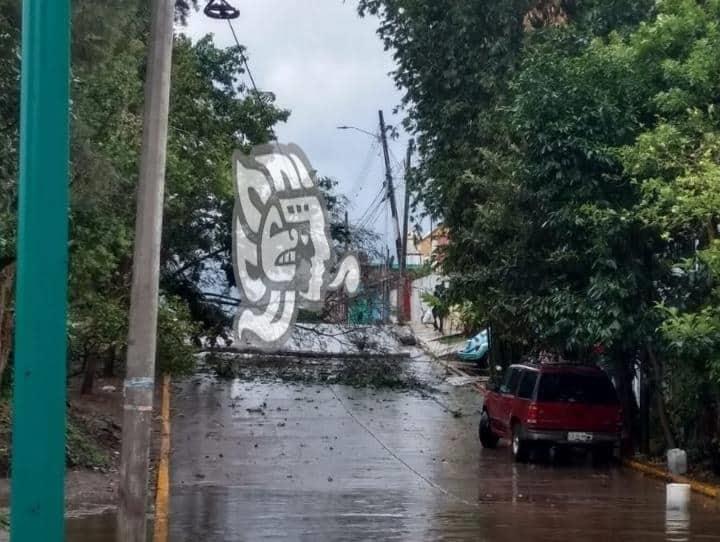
(390, 188)
(403, 313)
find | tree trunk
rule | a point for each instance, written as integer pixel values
(645, 394)
(109, 369)
(7, 279)
(662, 414)
(625, 373)
(89, 378)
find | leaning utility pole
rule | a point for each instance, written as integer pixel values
(390, 188)
(142, 337)
(403, 313)
(386, 287)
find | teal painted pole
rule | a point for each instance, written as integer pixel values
(38, 440)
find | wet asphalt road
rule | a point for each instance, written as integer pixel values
(273, 460)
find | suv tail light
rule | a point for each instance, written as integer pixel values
(532, 414)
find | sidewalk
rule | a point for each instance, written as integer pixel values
(432, 340)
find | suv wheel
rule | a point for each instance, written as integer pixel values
(518, 446)
(488, 439)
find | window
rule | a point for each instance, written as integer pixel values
(527, 384)
(511, 381)
(576, 388)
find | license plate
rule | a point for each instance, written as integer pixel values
(579, 437)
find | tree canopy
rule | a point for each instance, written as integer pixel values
(212, 113)
(571, 150)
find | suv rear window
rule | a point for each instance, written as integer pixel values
(576, 388)
(527, 384)
(511, 380)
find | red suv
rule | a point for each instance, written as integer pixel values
(552, 404)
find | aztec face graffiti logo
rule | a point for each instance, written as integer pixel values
(282, 250)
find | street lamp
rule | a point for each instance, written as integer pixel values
(220, 9)
(359, 130)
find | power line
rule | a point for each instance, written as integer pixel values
(373, 216)
(399, 459)
(243, 58)
(365, 170)
(398, 164)
(371, 207)
(372, 204)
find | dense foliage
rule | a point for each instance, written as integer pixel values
(571, 148)
(212, 113)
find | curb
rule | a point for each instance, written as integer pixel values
(698, 487)
(162, 495)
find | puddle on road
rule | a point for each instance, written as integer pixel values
(93, 528)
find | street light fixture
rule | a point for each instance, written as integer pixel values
(376, 136)
(221, 9)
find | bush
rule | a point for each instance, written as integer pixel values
(176, 333)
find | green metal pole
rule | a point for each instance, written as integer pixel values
(38, 440)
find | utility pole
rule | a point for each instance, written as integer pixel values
(406, 209)
(403, 313)
(142, 337)
(390, 188)
(38, 434)
(342, 292)
(393, 204)
(431, 237)
(386, 287)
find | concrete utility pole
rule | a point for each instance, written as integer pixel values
(402, 312)
(142, 339)
(386, 287)
(38, 434)
(390, 188)
(343, 294)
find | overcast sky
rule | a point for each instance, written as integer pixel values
(328, 66)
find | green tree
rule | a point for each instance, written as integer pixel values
(571, 149)
(212, 113)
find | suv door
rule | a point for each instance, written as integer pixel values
(506, 395)
(525, 394)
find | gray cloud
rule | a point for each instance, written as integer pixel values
(328, 66)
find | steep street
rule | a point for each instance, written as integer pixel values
(269, 459)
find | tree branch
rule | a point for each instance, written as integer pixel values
(197, 261)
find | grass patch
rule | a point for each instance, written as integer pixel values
(81, 450)
(81, 447)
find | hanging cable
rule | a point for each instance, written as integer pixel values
(398, 164)
(372, 217)
(221, 9)
(371, 209)
(367, 164)
(243, 58)
(258, 95)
